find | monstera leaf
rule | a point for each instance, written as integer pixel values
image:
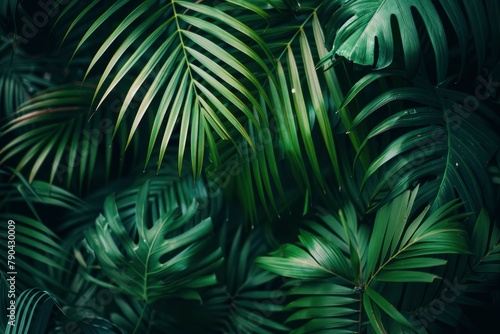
(362, 31)
(345, 269)
(154, 254)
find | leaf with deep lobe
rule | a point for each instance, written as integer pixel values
(362, 31)
(165, 263)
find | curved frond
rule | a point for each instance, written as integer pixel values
(54, 132)
(201, 74)
(356, 264)
(32, 309)
(447, 143)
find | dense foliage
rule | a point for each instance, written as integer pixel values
(250, 166)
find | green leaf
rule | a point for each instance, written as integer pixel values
(208, 61)
(373, 315)
(405, 276)
(362, 31)
(387, 307)
(164, 260)
(33, 310)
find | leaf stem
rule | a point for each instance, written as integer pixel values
(140, 318)
(360, 312)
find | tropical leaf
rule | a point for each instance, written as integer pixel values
(297, 134)
(162, 259)
(244, 300)
(177, 208)
(32, 309)
(8, 6)
(253, 303)
(41, 258)
(463, 280)
(275, 107)
(367, 32)
(340, 253)
(132, 316)
(441, 134)
(293, 97)
(66, 139)
(198, 51)
(86, 312)
(20, 77)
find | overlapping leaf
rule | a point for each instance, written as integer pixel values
(244, 300)
(160, 256)
(397, 251)
(448, 144)
(304, 98)
(464, 279)
(55, 132)
(362, 31)
(201, 73)
(296, 134)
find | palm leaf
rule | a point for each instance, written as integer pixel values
(395, 251)
(129, 317)
(244, 300)
(189, 83)
(464, 280)
(66, 139)
(442, 133)
(9, 7)
(249, 285)
(20, 77)
(297, 128)
(41, 258)
(303, 98)
(33, 310)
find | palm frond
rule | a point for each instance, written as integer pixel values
(339, 251)
(8, 8)
(32, 309)
(41, 259)
(195, 53)
(464, 280)
(297, 134)
(443, 129)
(66, 140)
(20, 77)
(244, 300)
(132, 315)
